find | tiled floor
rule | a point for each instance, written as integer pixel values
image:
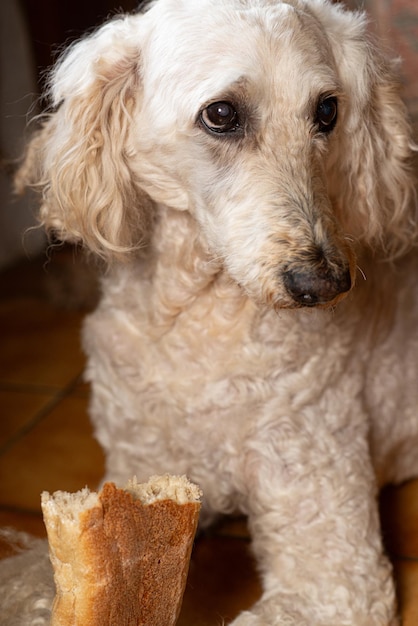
(46, 442)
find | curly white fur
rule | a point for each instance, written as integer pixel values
(202, 358)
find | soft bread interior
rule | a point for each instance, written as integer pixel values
(167, 487)
(69, 505)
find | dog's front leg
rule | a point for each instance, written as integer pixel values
(314, 521)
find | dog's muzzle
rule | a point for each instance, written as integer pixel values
(316, 287)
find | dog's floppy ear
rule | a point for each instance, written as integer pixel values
(79, 159)
(371, 170)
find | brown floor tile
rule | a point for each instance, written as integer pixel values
(16, 411)
(406, 573)
(233, 526)
(222, 582)
(40, 344)
(58, 454)
(22, 521)
(399, 507)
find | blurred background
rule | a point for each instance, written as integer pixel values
(32, 33)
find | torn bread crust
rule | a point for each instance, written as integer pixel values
(121, 556)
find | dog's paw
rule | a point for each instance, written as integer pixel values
(248, 619)
(269, 618)
(252, 619)
(268, 613)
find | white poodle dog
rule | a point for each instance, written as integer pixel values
(244, 168)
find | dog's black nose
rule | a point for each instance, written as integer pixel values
(316, 287)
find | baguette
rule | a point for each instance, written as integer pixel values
(121, 556)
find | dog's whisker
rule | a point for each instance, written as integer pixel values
(363, 274)
(350, 238)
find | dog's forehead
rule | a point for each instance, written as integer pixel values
(202, 51)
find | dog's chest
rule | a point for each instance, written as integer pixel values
(193, 377)
(217, 349)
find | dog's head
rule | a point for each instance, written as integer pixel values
(277, 125)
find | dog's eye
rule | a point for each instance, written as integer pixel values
(220, 117)
(326, 114)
